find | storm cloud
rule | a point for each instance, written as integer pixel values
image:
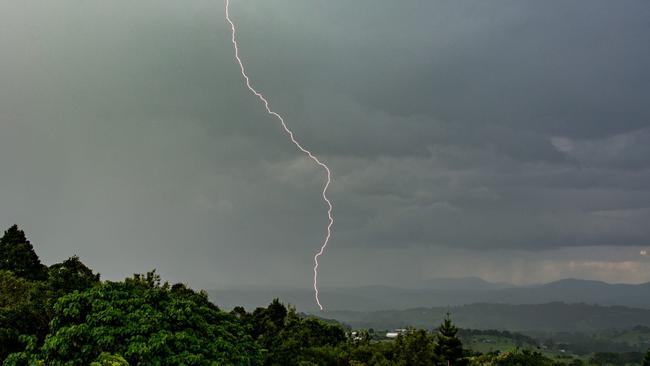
(511, 135)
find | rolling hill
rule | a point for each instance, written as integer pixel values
(444, 292)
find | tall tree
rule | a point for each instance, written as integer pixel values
(448, 347)
(646, 359)
(18, 255)
(70, 275)
(415, 347)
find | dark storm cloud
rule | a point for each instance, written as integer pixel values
(507, 127)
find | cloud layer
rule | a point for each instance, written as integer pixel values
(457, 131)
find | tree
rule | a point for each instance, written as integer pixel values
(448, 347)
(27, 356)
(307, 340)
(147, 323)
(26, 307)
(415, 347)
(515, 358)
(17, 255)
(291, 339)
(14, 291)
(18, 316)
(70, 275)
(646, 359)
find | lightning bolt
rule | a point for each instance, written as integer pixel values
(298, 145)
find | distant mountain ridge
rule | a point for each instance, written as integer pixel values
(539, 318)
(463, 283)
(442, 292)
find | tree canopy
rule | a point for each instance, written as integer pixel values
(147, 323)
(18, 255)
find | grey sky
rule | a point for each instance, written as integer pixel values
(504, 139)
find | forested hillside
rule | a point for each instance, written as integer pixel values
(549, 317)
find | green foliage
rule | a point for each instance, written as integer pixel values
(448, 346)
(516, 358)
(14, 291)
(415, 347)
(290, 339)
(372, 353)
(19, 313)
(26, 357)
(64, 278)
(646, 359)
(17, 255)
(70, 275)
(147, 323)
(106, 359)
(26, 307)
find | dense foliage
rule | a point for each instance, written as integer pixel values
(524, 358)
(147, 323)
(290, 339)
(448, 346)
(18, 255)
(64, 315)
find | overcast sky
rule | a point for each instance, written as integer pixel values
(505, 139)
